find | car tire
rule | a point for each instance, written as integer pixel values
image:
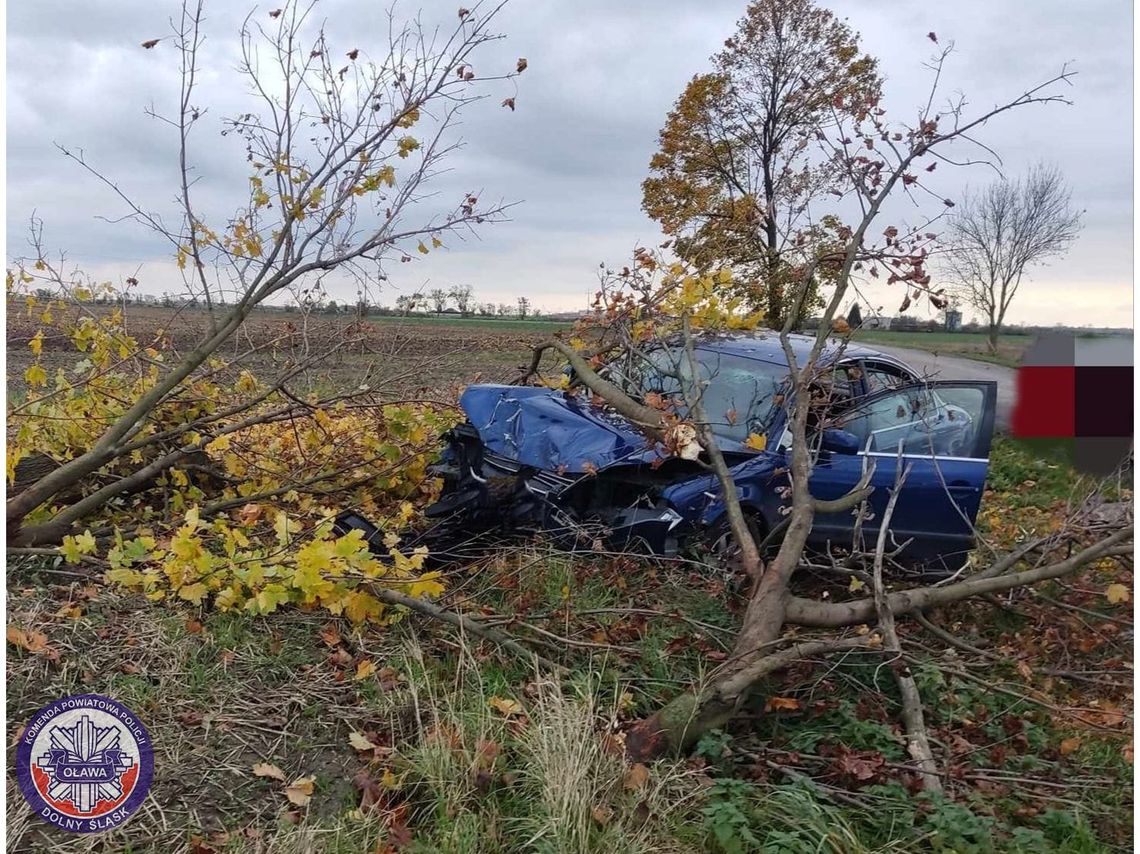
(717, 545)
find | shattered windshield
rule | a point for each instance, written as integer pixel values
(740, 397)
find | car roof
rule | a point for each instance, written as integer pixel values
(765, 346)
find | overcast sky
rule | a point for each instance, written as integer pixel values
(601, 78)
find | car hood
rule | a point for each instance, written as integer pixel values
(552, 430)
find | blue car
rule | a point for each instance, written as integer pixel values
(538, 459)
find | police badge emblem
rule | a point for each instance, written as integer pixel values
(85, 763)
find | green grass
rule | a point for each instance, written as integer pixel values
(467, 777)
(973, 345)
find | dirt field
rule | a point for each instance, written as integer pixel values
(414, 355)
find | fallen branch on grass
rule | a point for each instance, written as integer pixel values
(468, 625)
(917, 741)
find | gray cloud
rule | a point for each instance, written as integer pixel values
(589, 107)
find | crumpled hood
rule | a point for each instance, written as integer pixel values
(552, 430)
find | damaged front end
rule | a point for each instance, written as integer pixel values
(534, 460)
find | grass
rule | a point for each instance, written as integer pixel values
(973, 345)
(456, 767)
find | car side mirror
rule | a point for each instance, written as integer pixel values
(839, 442)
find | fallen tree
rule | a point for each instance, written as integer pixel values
(653, 306)
(342, 143)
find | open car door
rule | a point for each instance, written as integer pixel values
(940, 434)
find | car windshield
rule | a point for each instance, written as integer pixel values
(740, 398)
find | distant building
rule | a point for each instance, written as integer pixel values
(953, 320)
(877, 321)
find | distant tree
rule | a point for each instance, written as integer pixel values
(405, 304)
(736, 168)
(504, 309)
(438, 297)
(462, 295)
(487, 309)
(855, 316)
(332, 307)
(1000, 232)
(523, 307)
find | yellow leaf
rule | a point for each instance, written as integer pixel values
(264, 769)
(72, 548)
(423, 250)
(364, 669)
(506, 707)
(856, 585)
(300, 791)
(36, 345)
(756, 441)
(194, 593)
(1117, 593)
(35, 376)
(281, 526)
(426, 586)
(436, 243)
(222, 443)
(360, 742)
(85, 542)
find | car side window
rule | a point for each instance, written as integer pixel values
(881, 424)
(880, 377)
(925, 421)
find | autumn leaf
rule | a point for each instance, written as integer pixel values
(782, 704)
(352, 54)
(364, 669)
(250, 513)
(509, 102)
(636, 777)
(265, 769)
(1069, 745)
(300, 791)
(1117, 593)
(463, 13)
(275, 13)
(506, 707)
(360, 742)
(330, 634)
(756, 441)
(31, 640)
(149, 43)
(931, 35)
(520, 66)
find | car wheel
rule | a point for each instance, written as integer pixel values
(720, 550)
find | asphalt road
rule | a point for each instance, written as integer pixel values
(940, 367)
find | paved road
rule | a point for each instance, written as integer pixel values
(943, 367)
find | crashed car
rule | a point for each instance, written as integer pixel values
(541, 459)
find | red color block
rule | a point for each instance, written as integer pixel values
(1046, 402)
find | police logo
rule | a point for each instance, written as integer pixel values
(85, 763)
